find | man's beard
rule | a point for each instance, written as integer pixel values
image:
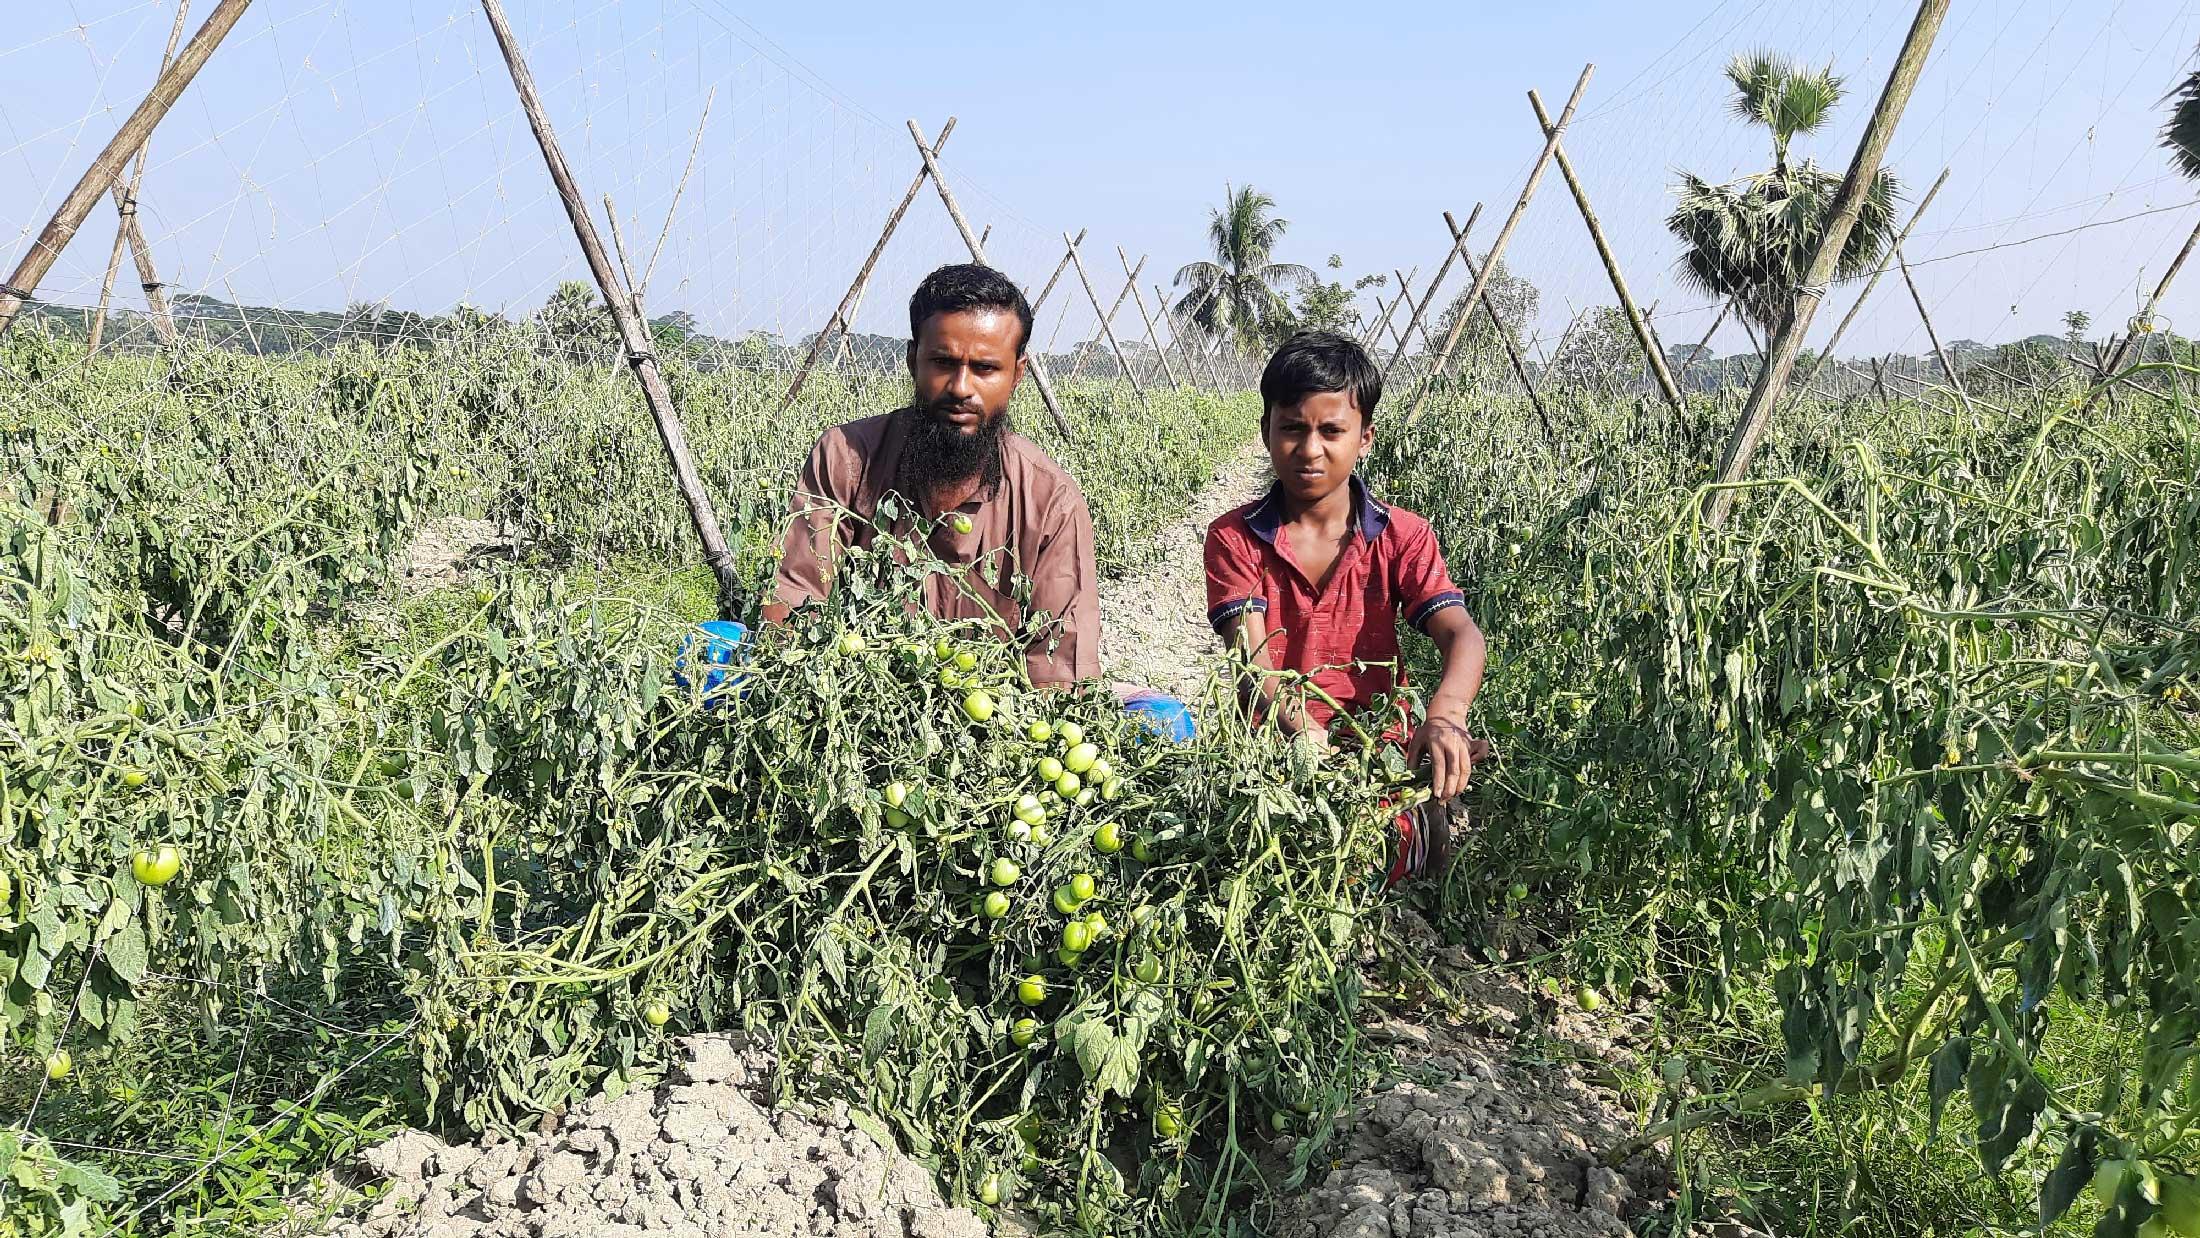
(938, 454)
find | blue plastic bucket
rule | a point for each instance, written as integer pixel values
(717, 645)
(1164, 715)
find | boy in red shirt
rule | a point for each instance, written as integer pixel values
(1315, 576)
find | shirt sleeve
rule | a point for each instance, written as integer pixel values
(1234, 584)
(1065, 583)
(813, 532)
(1420, 577)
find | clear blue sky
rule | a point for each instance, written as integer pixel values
(343, 151)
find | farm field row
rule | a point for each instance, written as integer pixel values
(1889, 786)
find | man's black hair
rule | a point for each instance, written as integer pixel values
(968, 286)
(1316, 361)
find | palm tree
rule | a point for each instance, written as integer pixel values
(1240, 292)
(2182, 134)
(1752, 240)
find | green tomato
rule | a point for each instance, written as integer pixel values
(1097, 922)
(1068, 785)
(1040, 731)
(1071, 734)
(1041, 836)
(1588, 999)
(1147, 969)
(897, 793)
(942, 650)
(948, 678)
(1023, 1032)
(960, 523)
(1031, 990)
(966, 661)
(1518, 892)
(996, 905)
(1168, 1121)
(1004, 872)
(1049, 769)
(1019, 831)
(1068, 957)
(1082, 886)
(1111, 789)
(1030, 811)
(1084, 797)
(1064, 901)
(1100, 772)
(978, 706)
(59, 1064)
(1080, 758)
(851, 643)
(1108, 839)
(897, 819)
(989, 1191)
(134, 778)
(1141, 850)
(7, 889)
(1076, 937)
(657, 1014)
(156, 866)
(1279, 1121)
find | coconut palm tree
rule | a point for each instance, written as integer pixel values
(2182, 134)
(1752, 240)
(1241, 292)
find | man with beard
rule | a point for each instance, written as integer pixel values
(994, 505)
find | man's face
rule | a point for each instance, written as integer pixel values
(1315, 443)
(965, 367)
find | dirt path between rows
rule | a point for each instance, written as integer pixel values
(1499, 1099)
(1153, 625)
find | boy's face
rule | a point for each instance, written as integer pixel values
(1315, 444)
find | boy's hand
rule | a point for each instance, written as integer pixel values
(1450, 753)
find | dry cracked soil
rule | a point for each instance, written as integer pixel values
(1488, 1125)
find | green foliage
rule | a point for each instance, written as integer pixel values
(1912, 742)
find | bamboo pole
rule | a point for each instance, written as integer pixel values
(99, 178)
(1195, 357)
(1372, 328)
(851, 298)
(1405, 298)
(1458, 248)
(1863, 170)
(126, 207)
(1635, 318)
(632, 334)
(1947, 366)
(1489, 304)
(1414, 319)
(1107, 324)
(2144, 323)
(1704, 345)
(1153, 337)
(977, 254)
(1382, 324)
(1504, 235)
(1885, 261)
(1059, 267)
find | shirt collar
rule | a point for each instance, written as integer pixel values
(1371, 514)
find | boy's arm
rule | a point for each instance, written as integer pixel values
(1246, 636)
(1442, 739)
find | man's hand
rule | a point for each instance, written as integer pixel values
(1450, 754)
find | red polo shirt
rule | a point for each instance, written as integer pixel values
(1345, 633)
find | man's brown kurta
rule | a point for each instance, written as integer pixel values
(1034, 523)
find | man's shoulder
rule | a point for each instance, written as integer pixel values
(1233, 529)
(1029, 462)
(862, 435)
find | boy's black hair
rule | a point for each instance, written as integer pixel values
(1317, 361)
(968, 286)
